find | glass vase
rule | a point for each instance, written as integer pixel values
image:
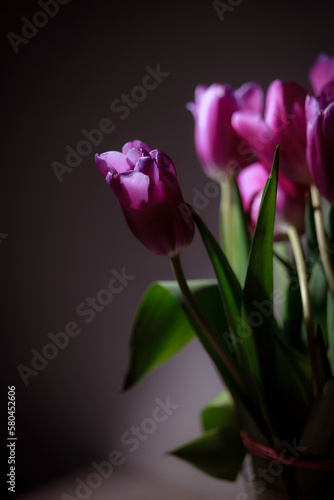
(271, 480)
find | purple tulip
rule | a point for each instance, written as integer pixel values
(220, 149)
(320, 140)
(284, 123)
(322, 72)
(290, 202)
(149, 195)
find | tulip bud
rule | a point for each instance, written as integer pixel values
(145, 184)
(322, 72)
(220, 149)
(284, 123)
(290, 202)
(320, 140)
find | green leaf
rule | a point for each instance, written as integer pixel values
(288, 303)
(293, 387)
(163, 325)
(255, 351)
(317, 441)
(330, 230)
(311, 235)
(288, 267)
(323, 362)
(292, 315)
(330, 325)
(318, 291)
(231, 294)
(229, 286)
(321, 417)
(288, 290)
(224, 409)
(219, 411)
(237, 239)
(219, 452)
(258, 348)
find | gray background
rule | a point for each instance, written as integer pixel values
(65, 238)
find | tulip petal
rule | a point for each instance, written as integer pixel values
(312, 108)
(320, 146)
(326, 96)
(251, 181)
(146, 165)
(285, 117)
(199, 91)
(166, 167)
(275, 113)
(252, 128)
(193, 107)
(314, 147)
(157, 223)
(322, 72)
(153, 170)
(216, 142)
(131, 189)
(285, 107)
(109, 177)
(135, 144)
(290, 202)
(250, 97)
(134, 154)
(328, 152)
(112, 161)
(104, 166)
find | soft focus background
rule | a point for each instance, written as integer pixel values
(59, 241)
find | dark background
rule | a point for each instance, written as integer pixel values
(65, 238)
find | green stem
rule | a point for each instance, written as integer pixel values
(225, 218)
(321, 237)
(207, 329)
(307, 307)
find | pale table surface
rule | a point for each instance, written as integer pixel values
(141, 484)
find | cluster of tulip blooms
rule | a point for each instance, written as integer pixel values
(276, 171)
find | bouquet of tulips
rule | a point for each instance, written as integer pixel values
(267, 320)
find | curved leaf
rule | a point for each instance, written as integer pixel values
(219, 411)
(258, 348)
(229, 286)
(330, 328)
(317, 441)
(163, 325)
(219, 452)
(318, 291)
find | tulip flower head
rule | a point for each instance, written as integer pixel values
(320, 140)
(290, 202)
(145, 184)
(284, 123)
(220, 149)
(321, 72)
